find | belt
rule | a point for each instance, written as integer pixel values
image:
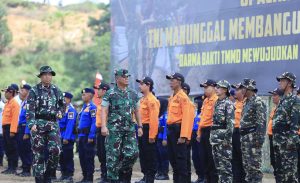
(281, 128)
(218, 127)
(245, 131)
(84, 131)
(46, 117)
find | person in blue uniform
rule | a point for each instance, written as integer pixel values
(23, 136)
(162, 150)
(87, 135)
(67, 131)
(198, 163)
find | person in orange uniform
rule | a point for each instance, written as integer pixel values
(237, 162)
(10, 119)
(149, 110)
(203, 136)
(179, 126)
(186, 89)
(276, 94)
(102, 89)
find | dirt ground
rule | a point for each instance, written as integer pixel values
(77, 177)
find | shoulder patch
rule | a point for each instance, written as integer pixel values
(71, 115)
(93, 113)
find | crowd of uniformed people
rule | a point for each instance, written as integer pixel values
(222, 131)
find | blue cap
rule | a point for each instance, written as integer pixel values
(26, 86)
(68, 95)
(232, 92)
(88, 90)
(209, 82)
(15, 86)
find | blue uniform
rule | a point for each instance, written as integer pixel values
(24, 146)
(196, 152)
(67, 129)
(162, 151)
(87, 130)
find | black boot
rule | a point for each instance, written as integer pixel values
(127, 176)
(39, 180)
(149, 179)
(90, 178)
(142, 180)
(162, 176)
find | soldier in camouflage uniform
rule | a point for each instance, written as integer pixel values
(285, 127)
(45, 105)
(221, 132)
(252, 130)
(118, 105)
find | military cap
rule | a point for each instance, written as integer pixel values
(186, 87)
(88, 90)
(249, 84)
(209, 82)
(46, 69)
(103, 86)
(147, 80)
(236, 86)
(122, 72)
(25, 86)
(276, 91)
(224, 84)
(287, 75)
(68, 95)
(177, 76)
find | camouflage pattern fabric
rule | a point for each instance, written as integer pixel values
(253, 116)
(44, 105)
(285, 138)
(221, 138)
(121, 143)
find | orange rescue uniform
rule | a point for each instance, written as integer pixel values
(179, 112)
(207, 111)
(98, 115)
(10, 115)
(269, 131)
(238, 113)
(149, 110)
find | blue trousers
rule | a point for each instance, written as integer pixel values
(24, 149)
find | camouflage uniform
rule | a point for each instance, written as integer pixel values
(121, 143)
(253, 129)
(221, 135)
(44, 104)
(285, 137)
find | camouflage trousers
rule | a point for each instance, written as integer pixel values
(286, 160)
(252, 157)
(121, 153)
(46, 138)
(222, 154)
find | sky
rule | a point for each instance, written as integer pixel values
(67, 2)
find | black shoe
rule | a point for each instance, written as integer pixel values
(103, 180)
(143, 180)
(9, 171)
(39, 180)
(157, 175)
(24, 174)
(163, 177)
(199, 180)
(68, 179)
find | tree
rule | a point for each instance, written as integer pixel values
(5, 34)
(101, 25)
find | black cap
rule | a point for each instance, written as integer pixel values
(103, 86)
(147, 80)
(88, 90)
(68, 95)
(15, 86)
(209, 82)
(186, 87)
(26, 86)
(177, 76)
(11, 88)
(276, 91)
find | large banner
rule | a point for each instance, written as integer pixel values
(206, 39)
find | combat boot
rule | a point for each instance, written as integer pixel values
(149, 179)
(142, 180)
